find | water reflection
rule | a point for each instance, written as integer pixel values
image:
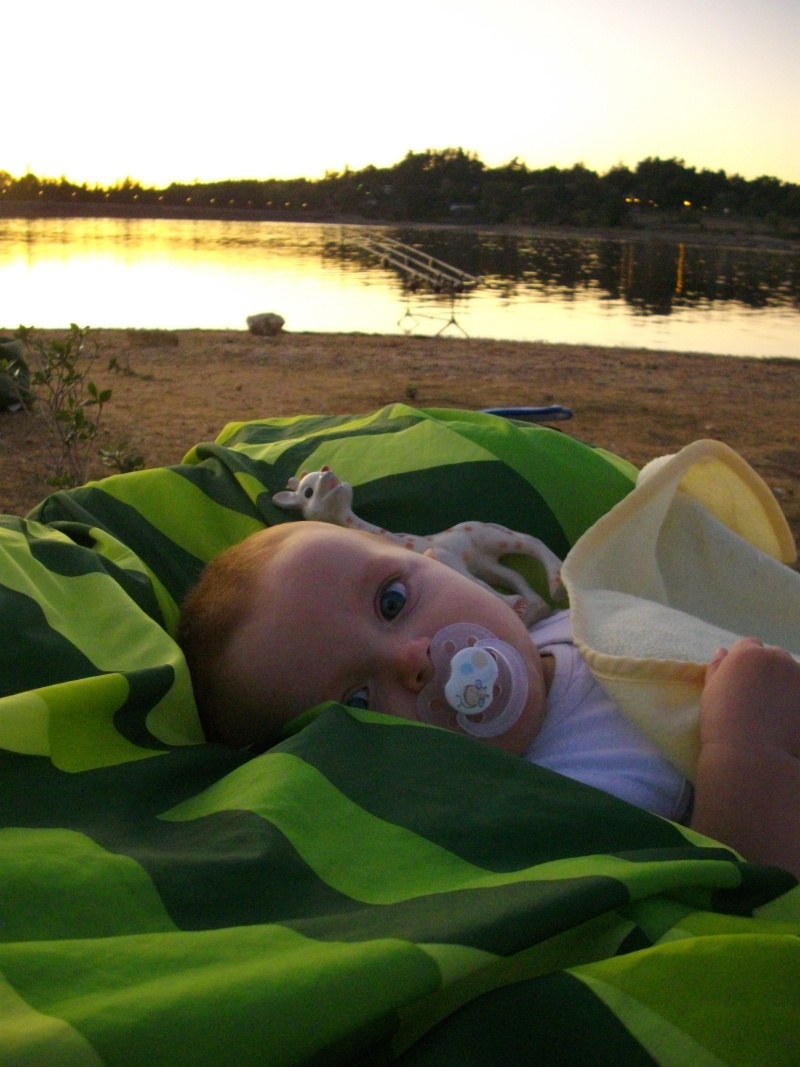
(653, 277)
(212, 274)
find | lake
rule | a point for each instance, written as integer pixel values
(183, 274)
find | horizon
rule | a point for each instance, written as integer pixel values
(329, 172)
(156, 96)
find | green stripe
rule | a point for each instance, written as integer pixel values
(379, 862)
(171, 498)
(359, 459)
(542, 456)
(32, 654)
(82, 730)
(32, 1039)
(98, 634)
(25, 724)
(249, 436)
(258, 994)
(80, 889)
(665, 999)
(497, 795)
(553, 1019)
(122, 556)
(108, 645)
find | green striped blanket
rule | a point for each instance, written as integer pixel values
(371, 890)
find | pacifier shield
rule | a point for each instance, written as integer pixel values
(476, 675)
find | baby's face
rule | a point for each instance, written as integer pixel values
(347, 616)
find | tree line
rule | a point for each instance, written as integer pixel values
(450, 185)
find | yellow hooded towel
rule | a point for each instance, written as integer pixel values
(694, 557)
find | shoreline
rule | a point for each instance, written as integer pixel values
(175, 388)
(744, 233)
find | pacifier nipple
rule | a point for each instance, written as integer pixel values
(480, 677)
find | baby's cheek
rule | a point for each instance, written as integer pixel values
(521, 736)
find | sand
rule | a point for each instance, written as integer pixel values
(176, 388)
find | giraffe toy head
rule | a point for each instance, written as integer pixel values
(318, 495)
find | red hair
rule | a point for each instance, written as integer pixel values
(211, 616)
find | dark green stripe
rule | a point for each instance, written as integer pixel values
(80, 557)
(230, 870)
(503, 919)
(424, 502)
(215, 478)
(146, 688)
(550, 1020)
(494, 810)
(122, 799)
(759, 886)
(45, 657)
(175, 568)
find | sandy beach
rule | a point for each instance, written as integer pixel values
(173, 389)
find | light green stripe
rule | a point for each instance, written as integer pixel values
(93, 613)
(82, 731)
(25, 724)
(270, 450)
(234, 996)
(170, 498)
(72, 722)
(669, 1045)
(30, 1038)
(230, 429)
(118, 553)
(174, 720)
(373, 861)
(707, 923)
(251, 486)
(378, 862)
(111, 630)
(57, 884)
(703, 1000)
(785, 908)
(422, 447)
(458, 961)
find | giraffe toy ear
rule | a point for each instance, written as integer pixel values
(287, 500)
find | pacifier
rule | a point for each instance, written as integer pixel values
(480, 677)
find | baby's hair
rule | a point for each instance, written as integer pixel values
(211, 615)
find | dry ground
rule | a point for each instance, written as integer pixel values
(178, 388)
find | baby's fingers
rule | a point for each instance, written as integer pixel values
(736, 649)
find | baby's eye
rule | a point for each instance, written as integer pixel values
(359, 699)
(392, 600)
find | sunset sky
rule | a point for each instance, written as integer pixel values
(170, 91)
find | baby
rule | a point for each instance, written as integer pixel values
(302, 613)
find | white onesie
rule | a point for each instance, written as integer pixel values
(585, 736)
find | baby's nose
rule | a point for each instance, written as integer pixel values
(413, 664)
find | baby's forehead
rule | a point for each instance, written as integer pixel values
(321, 550)
(305, 538)
(316, 576)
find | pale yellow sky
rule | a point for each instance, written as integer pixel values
(170, 91)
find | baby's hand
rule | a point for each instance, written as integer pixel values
(751, 697)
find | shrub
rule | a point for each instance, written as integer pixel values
(66, 401)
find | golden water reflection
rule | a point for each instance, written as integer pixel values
(175, 274)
